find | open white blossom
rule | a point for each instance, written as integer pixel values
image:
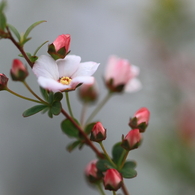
(63, 74)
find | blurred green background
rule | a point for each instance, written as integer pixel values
(156, 35)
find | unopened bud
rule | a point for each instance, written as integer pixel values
(3, 82)
(60, 47)
(112, 180)
(98, 132)
(92, 173)
(18, 71)
(140, 119)
(88, 93)
(132, 140)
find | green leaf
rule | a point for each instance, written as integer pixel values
(44, 94)
(39, 48)
(56, 108)
(58, 96)
(50, 113)
(103, 165)
(2, 21)
(128, 170)
(117, 152)
(51, 97)
(15, 31)
(33, 58)
(30, 28)
(69, 129)
(89, 127)
(34, 110)
(73, 145)
(3, 5)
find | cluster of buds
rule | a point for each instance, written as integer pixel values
(138, 123)
(112, 179)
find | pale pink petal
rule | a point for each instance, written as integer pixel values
(68, 65)
(110, 68)
(51, 84)
(133, 85)
(45, 66)
(86, 69)
(135, 70)
(82, 79)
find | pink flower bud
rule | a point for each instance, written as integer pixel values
(112, 180)
(60, 47)
(140, 119)
(98, 132)
(120, 75)
(132, 140)
(88, 93)
(18, 71)
(3, 82)
(91, 172)
(62, 41)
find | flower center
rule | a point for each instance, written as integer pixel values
(65, 80)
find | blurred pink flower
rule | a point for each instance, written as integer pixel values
(120, 75)
(63, 74)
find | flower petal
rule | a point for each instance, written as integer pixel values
(68, 65)
(134, 70)
(46, 67)
(133, 85)
(86, 69)
(51, 84)
(82, 79)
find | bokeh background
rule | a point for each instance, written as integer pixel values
(156, 35)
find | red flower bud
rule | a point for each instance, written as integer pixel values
(92, 173)
(132, 140)
(60, 47)
(3, 82)
(98, 132)
(112, 180)
(18, 71)
(140, 119)
(88, 93)
(62, 41)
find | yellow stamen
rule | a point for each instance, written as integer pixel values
(65, 80)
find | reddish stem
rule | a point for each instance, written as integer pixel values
(20, 48)
(87, 140)
(124, 189)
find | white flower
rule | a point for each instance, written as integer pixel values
(63, 74)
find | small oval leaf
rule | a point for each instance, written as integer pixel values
(69, 129)
(56, 108)
(33, 110)
(117, 152)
